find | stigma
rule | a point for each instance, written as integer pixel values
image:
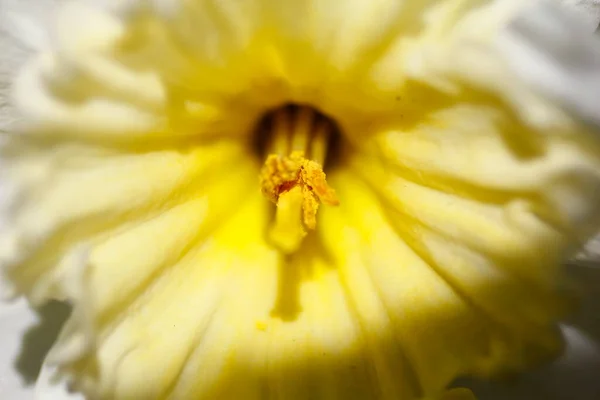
(292, 175)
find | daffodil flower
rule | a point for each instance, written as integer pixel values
(295, 199)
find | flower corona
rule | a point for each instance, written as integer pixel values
(292, 199)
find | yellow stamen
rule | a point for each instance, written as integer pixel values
(287, 232)
(294, 183)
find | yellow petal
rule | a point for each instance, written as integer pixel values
(78, 195)
(207, 69)
(277, 327)
(285, 328)
(436, 312)
(490, 156)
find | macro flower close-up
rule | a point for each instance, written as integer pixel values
(293, 199)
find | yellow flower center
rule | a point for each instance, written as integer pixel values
(292, 176)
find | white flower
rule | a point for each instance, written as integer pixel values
(135, 197)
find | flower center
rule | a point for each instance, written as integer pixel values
(295, 141)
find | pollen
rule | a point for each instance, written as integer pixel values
(294, 182)
(261, 326)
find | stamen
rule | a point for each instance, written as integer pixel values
(287, 233)
(281, 124)
(295, 183)
(302, 128)
(321, 135)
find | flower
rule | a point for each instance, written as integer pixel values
(424, 198)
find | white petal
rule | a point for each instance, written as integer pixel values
(49, 387)
(551, 50)
(588, 10)
(590, 255)
(572, 376)
(28, 21)
(23, 29)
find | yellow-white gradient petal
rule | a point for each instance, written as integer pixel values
(136, 198)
